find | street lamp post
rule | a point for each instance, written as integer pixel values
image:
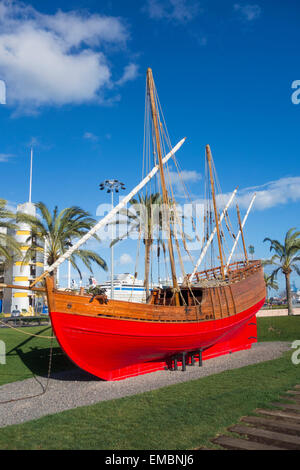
(112, 186)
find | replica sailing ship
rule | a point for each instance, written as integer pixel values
(211, 313)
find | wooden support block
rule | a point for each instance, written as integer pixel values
(200, 358)
(183, 362)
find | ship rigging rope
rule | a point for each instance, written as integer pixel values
(104, 221)
(25, 333)
(179, 171)
(164, 133)
(226, 215)
(209, 215)
(172, 221)
(136, 263)
(176, 220)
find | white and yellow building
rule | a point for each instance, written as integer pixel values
(20, 274)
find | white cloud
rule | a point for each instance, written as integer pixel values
(271, 194)
(2, 92)
(274, 193)
(181, 11)
(56, 59)
(90, 136)
(125, 258)
(185, 176)
(4, 157)
(130, 73)
(248, 12)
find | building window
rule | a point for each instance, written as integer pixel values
(32, 271)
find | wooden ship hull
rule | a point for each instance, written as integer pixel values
(117, 339)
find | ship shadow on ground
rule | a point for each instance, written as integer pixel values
(61, 367)
(36, 359)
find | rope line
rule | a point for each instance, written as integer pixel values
(44, 388)
(25, 333)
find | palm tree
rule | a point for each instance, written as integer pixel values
(148, 217)
(54, 233)
(270, 284)
(8, 245)
(142, 218)
(285, 259)
(251, 250)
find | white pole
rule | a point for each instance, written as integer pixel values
(30, 181)
(109, 216)
(45, 255)
(203, 253)
(112, 251)
(239, 234)
(69, 274)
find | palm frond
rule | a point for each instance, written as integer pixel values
(296, 268)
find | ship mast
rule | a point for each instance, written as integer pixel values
(150, 83)
(209, 159)
(242, 233)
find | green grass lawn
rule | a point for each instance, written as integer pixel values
(182, 416)
(278, 328)
(27, 356)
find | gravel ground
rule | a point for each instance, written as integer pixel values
(76, 388)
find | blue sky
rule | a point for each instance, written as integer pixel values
(75, 74)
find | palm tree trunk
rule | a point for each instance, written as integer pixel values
(288, 293)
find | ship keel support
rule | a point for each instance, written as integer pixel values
(186, 358)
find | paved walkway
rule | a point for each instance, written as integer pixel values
(277, 312)
(76, 388)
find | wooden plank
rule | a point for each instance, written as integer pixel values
(293, 392)
(287, 406)
(294, 398)
(215, 301)
(274, 425)
(268, 437)
(294, 417)
(234, 443)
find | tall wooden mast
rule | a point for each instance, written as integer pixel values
(150, 83)
(242, 233)
(209, 159)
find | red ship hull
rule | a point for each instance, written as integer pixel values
(115, 349)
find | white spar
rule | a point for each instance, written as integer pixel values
(239, 234)
(203, 252)
(110, 215)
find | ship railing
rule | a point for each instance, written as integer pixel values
(235, 272)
